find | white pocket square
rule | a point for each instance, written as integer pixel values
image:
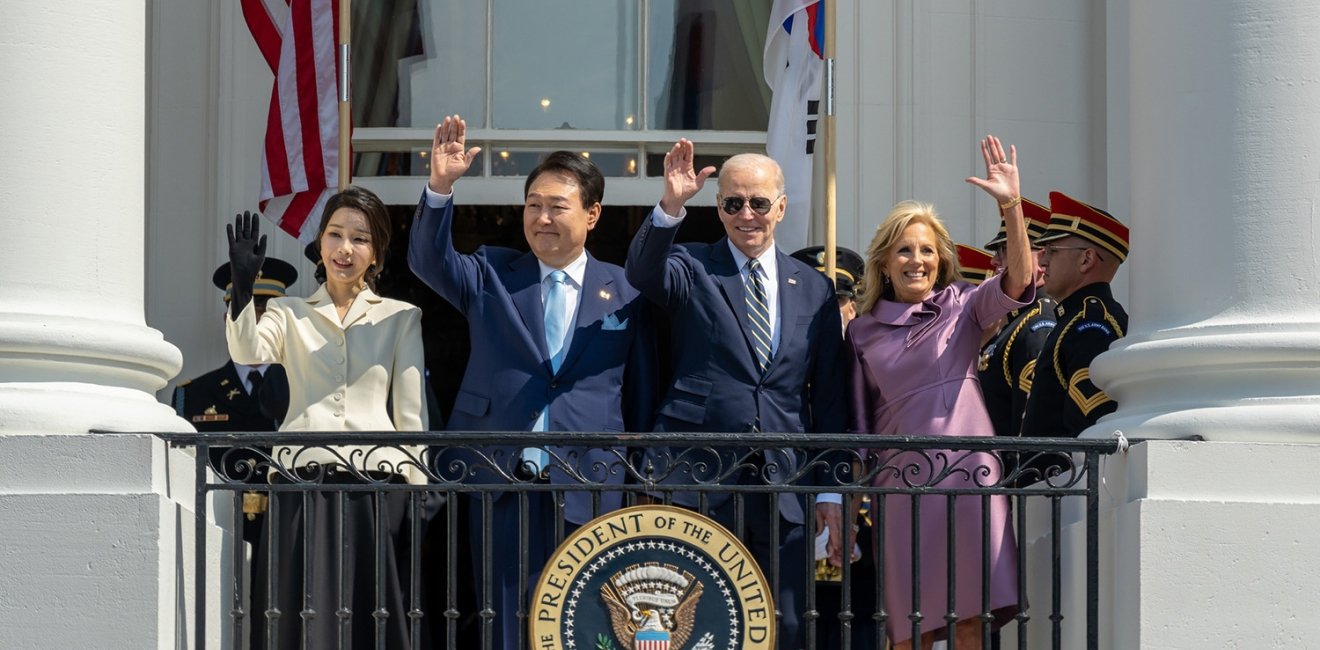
(611, 323)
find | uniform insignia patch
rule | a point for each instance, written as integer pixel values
(1058, 311)
(210, 415)
(224, 382)
(233, 393)
(1093, 325)
(652, 578)
(1042, 324)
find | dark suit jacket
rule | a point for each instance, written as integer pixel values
(605, 383)
(716, 385)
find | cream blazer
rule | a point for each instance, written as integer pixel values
(340, 374)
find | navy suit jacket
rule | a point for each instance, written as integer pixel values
(605, 383)
(716, 384)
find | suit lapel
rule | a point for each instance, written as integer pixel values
(595, 300)
(361, 305)
(728, 275)
(524, 286)
(790, 284)
(323, 305)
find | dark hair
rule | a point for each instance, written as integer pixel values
(378, 222)
(591, 183)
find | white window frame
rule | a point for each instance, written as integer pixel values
(507, 190)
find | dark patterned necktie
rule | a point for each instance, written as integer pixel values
(758, 315)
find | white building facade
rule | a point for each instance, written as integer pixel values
(1192, 121)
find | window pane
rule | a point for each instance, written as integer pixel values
(564, 64)
(415, 61)
(704, 65)
(520, 162)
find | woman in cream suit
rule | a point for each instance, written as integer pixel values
(354, 361)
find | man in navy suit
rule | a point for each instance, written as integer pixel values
(560, 342)
(757, 346)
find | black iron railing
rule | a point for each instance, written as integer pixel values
(458, 476)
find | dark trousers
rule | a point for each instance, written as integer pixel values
(787, 550)
(502, 540)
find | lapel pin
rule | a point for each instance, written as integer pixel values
(604, 294)
(792, 280)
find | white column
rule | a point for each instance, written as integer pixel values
(75, 352)
(1224, 338)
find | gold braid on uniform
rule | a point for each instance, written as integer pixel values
(1008, 345)
(1085, 404)
(1058, 343)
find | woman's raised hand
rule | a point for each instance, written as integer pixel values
(247, 252)
(1001, 171)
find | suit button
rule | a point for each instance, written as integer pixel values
(338, 397)
(339, 342)
(341, 359)
(339, 378)
(554, 384)
(338, 414)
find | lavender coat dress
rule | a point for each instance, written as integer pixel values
(912, 371)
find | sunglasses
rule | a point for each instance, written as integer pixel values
(760, 205)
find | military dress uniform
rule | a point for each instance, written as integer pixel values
(974, 265)
(1007, 362)
(1064, 400)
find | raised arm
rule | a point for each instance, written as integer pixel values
(247, 252)
(649, 267)
(449, 159)
(682, 180)
(431, 254)
(1001, 182)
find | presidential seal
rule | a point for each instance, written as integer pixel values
(652, 578)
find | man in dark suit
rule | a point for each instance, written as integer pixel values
(757, 342)
(560, 342)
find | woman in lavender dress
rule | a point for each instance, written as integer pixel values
(913, 372)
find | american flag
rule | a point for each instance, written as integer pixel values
(651, 640)
(300, 161)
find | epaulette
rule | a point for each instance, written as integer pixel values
(1089, 317)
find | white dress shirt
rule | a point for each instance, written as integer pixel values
(244, 370)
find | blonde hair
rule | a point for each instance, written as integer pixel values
(887, 233)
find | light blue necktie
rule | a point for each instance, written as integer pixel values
(556, 308)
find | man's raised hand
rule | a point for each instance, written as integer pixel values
(682, 181)
(449, 160)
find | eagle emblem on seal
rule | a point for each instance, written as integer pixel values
(651, 602)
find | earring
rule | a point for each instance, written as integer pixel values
(885, 279)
